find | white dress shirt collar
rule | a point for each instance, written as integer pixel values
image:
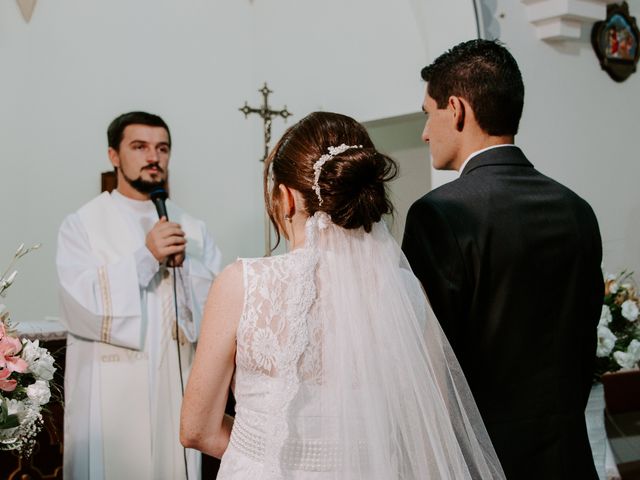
(478, 152)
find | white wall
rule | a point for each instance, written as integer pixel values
(357, 57)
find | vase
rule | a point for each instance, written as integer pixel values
(9, 438)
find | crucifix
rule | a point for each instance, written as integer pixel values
(267, 115)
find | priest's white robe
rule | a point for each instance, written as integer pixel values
(122, 384)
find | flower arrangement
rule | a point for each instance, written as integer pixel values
(25, 372)
(619, 327)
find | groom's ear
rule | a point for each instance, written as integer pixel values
(458, 110)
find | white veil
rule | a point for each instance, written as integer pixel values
(388, 400)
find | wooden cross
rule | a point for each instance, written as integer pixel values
(267, 115)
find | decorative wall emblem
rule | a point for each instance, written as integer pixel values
(615, 41)
(26, 8)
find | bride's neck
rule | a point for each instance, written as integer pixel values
(296, 231)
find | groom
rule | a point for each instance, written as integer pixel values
(510, 260)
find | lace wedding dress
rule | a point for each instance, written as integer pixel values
(343, 373)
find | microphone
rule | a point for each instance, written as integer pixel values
(158, 196)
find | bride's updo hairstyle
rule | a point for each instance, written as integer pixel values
(351, 183)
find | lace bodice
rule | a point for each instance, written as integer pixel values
(278, 345)
(274, 328)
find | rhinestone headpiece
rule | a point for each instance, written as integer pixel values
(317, 167)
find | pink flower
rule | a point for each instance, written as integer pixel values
(7, 385)
(9, 348)
(9, 360)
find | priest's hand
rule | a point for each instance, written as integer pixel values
(166, 241)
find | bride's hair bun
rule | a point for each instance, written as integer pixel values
(352, 182)
(352, 185)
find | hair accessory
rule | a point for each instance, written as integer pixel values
(317, 167)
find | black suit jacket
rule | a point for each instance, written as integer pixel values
(510, 260)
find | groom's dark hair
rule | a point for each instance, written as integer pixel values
(486, 75)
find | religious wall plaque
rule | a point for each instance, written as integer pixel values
(615, 41)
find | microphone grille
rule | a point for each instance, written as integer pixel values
(158, 193)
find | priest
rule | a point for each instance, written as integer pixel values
(128, 355)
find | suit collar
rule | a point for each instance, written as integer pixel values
(508, 155)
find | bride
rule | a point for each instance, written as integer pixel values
(338, 365)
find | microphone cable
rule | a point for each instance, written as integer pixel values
(177, 332)
(158, 197)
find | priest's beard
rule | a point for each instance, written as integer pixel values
(144, 186)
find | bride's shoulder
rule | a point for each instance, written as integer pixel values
(228, 286)
(231, 274)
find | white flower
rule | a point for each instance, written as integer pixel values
(610, 276)
(39, 392)
(12, 277)
(324, 220)
(16, 407)
(630, 310)
(606, 341)
(613, 288)
(605, 316)
(629, 359)
(7, 282)
(39, 360)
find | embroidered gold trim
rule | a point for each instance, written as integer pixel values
(107, 318)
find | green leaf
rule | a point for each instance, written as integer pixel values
(10, 421)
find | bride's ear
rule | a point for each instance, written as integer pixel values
(288, 200)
